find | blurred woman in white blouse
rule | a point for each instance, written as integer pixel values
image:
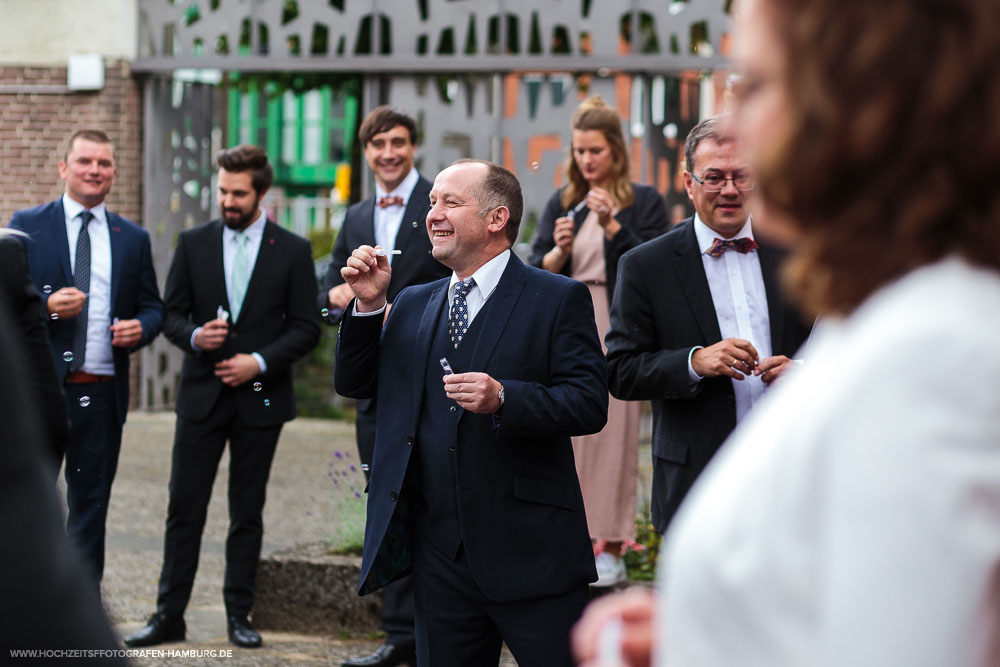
(854, 518)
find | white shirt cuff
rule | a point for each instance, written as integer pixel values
(692, 375)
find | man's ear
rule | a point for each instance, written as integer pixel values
(688, 184)
(498, 218)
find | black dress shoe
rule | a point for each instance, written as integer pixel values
(160, 628)
(241, 634)
(386, 655)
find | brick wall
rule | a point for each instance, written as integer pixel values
(35, 128)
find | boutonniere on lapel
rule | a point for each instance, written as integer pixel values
(414, 224)
(116, 229)
(270, 241)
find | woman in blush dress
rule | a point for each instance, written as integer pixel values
(585, 227)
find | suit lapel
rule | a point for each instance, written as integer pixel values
(368, 216)
(769, 262)
(412, 223)
(425, 337)
(217, 264)
(691, 274)
(501, 306)
(117, 255)
(57, 222)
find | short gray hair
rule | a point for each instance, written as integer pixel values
(714, 128)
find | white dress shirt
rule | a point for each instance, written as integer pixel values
(255, 234)
(853, 519)
(387, 220)
(98, 358)
(487, 277)
(737, 287)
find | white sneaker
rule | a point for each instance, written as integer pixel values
(610, 570)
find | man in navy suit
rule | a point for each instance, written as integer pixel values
(241, 303)
(95, 272)
(481, 380)
(392, 219)
(698, 325)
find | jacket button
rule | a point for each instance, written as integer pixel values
(453, 409)
(393, 495)
(409, 440)
(451, 448)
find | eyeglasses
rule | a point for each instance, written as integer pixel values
(715, 182)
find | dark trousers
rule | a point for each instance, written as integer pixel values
(397, 597)
(198, 447)
(457, 625)
(95, 440)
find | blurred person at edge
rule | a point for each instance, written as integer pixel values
(862, 502)
(585, 228)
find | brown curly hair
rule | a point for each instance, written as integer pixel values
(892, 154)
(594, 114)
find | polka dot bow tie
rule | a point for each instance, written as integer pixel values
(720, 246)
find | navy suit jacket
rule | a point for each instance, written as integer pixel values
(521, 514)
(134, 294)
(278, 320)
(415, 265)
(661, 309)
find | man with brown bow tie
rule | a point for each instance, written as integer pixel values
(698, 325)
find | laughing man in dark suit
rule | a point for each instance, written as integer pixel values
(473, 484)
(241, 303)
(698, 325)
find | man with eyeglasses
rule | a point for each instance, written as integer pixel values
(698, 326)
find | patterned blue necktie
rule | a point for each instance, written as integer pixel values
(81, 280)
(458, 318)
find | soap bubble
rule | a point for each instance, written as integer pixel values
(47, 289)
(324, 312)
(84, 401)
(67, 356)
(256, 386)
(535, 166)
(267, 402)
(54, 316)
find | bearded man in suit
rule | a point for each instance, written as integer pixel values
(241, 303)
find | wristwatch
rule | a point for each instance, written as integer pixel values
(500, 398)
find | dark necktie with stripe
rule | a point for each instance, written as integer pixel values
(458, 318)
(81, 280)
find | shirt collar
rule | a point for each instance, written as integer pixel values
(404, 189)
(254, 231)
(73, 208)
(487, 276)
(706, 235)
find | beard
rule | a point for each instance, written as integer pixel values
(243, 218)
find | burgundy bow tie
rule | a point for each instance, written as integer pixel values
(386, 202)
(743, 245)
